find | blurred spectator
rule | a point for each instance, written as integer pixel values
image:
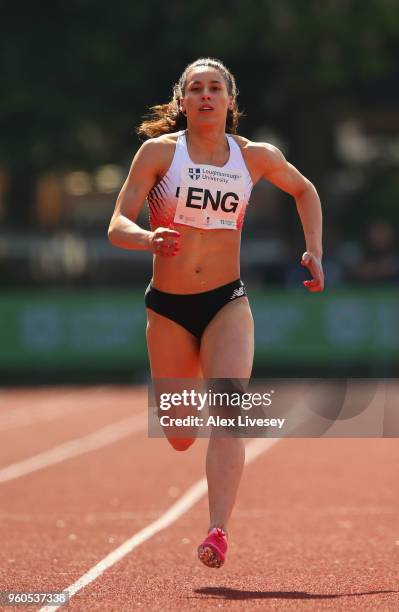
(379, 261)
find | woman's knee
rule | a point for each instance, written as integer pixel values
(181, 444)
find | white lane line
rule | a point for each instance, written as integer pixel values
(73, 448)
(24, 418)
(21, 401)
(50, 409)
(190, 497)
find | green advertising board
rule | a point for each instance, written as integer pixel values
(352, 325)
(106, 329)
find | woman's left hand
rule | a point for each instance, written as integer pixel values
(315, 268)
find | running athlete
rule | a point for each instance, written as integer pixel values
(197, 179)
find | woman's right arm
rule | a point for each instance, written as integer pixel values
(123, 232)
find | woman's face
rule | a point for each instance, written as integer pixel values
(206, 99)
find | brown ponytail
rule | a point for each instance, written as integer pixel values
(167, 118)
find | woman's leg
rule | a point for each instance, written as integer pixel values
(173, 353)
(227, 349)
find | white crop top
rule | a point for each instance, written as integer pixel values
(200, 195)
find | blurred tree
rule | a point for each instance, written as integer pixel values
(78, 75)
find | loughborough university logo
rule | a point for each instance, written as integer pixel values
(194, 173)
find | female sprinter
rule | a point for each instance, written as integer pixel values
(198, 180)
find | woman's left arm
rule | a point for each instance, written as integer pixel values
(273, 166)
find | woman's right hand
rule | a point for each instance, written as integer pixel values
(164, 241)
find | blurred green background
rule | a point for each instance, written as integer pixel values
(320, 80)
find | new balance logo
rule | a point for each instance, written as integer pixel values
(238, 293)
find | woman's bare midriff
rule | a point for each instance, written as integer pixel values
(207, 259)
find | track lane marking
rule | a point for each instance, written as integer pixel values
(73, 448)
(188, 499)
(49, 409)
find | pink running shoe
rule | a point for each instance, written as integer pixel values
(212, 551)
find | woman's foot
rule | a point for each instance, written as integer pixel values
(212, 551)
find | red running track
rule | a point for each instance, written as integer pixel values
(316, 525)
